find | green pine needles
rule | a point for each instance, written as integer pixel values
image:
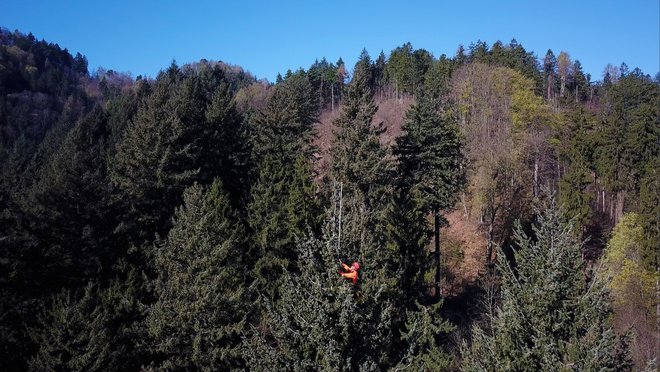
(554, 312)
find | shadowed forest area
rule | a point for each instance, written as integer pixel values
(504, 209)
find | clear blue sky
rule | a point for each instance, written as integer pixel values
(268, 37)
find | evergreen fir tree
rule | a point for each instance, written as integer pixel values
(573, 194)
(186, 131)
(153, 162)
(322, 322)
(225, 149)
(283, 209)
(358, 158)
(73, 334)
(202, 289)
(363, 167)
(101, 329)
(429, 157)
(282, 201)
(286, 126)
(267, 214)
(425, 352)
(628, 138)
(550, 317)
(649, 210)
(429, 167)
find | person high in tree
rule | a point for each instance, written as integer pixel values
(351, 272)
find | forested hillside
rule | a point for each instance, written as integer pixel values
(504, 209)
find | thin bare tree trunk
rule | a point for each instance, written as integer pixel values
(620, 203)
(332, 94)
(436, 219)
(489, 245)
(535, 186)
(465, 211)
(657, 308)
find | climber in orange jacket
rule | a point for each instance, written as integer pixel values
(351, 271)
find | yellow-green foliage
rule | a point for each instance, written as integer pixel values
(631, 283)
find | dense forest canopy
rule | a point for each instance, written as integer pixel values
(504, 209)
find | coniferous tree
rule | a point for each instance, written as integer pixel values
(284, 207)
(358, 158)
(423, 328)
(100, 329)
(267, 216)
(226, 151)
(59, 223)
(379, 73)
(322, 322)
(202, 289)
(153, 161)
(302, 205)
(73, 335)
(282, 197)
(68, 211)
(393, 263)
(573, 193)
(400, 70)
(550, 317)
(580, 82)
(649, 210)
(429, 155)
(313, 325)
(286, 126)
(550, 75)
(362, 166)
(628, 138)
(438, 78)
(186, 131)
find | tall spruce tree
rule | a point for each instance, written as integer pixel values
(73, 334)
(153, 162)
(361, 165)
(187, 130)
(429, 164)
(649, 210)
(202, 290)
(68, 212)
(629, 137)
(282, 209)
(59, 226)
(578, 152)
(323, 322)
(551, 317)
(286, 125)
(92, 329)
(357, 157)
(282, 202)
(225, 149)
(392, 263)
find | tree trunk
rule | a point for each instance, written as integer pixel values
(321, 103)
(535, 187)
(620, 203)
(558, 171)
(436, 220)
(489, 244)
(465, 211)
(332, 95)
(657, 308)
